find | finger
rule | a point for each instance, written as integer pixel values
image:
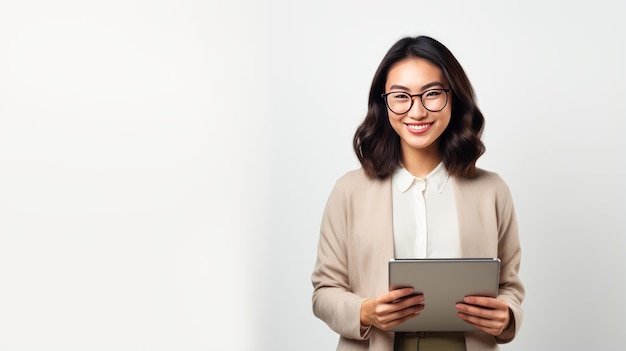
(473, 310)
(480, 321)
(394, 319)
(482, 312)
(408, 301)
(487, 302)
(488, 320)
(391, 311)
(488, 326)
(397, 294)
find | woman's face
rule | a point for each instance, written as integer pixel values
(419, 129)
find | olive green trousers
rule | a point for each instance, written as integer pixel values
(435, 341)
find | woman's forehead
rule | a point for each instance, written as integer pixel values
(414, 73)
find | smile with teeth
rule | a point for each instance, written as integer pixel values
(419, 127)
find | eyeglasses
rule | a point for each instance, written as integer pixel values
(399, 102)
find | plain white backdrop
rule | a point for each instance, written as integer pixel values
(164, 164)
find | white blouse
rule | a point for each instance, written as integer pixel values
(424, 215)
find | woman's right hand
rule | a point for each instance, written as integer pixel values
(391, 308)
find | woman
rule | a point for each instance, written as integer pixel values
(418, 194)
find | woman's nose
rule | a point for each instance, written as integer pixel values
(417, 110)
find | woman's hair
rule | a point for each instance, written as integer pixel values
(377, 145)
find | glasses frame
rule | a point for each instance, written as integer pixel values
(413, 96)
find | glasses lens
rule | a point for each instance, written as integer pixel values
(399, 102)
(434, 100)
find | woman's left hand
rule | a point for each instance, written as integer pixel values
(488, 314)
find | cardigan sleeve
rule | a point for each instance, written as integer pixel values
(333, 301)
(509, 252)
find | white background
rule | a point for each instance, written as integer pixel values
(164, 164)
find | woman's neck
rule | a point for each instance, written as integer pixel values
(420, 162)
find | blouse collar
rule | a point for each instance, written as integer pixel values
(438, 178)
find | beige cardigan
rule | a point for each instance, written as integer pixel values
(356, 243)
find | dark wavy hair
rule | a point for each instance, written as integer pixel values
(377, 145)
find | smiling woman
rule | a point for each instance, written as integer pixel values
(418, 125)
(418, 194)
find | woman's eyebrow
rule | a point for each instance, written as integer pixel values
(425, 87)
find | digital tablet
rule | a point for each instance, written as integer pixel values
(444, 282)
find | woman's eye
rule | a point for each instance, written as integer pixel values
(400, 96)
(432, 93)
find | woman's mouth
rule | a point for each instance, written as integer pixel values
(418, 128)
